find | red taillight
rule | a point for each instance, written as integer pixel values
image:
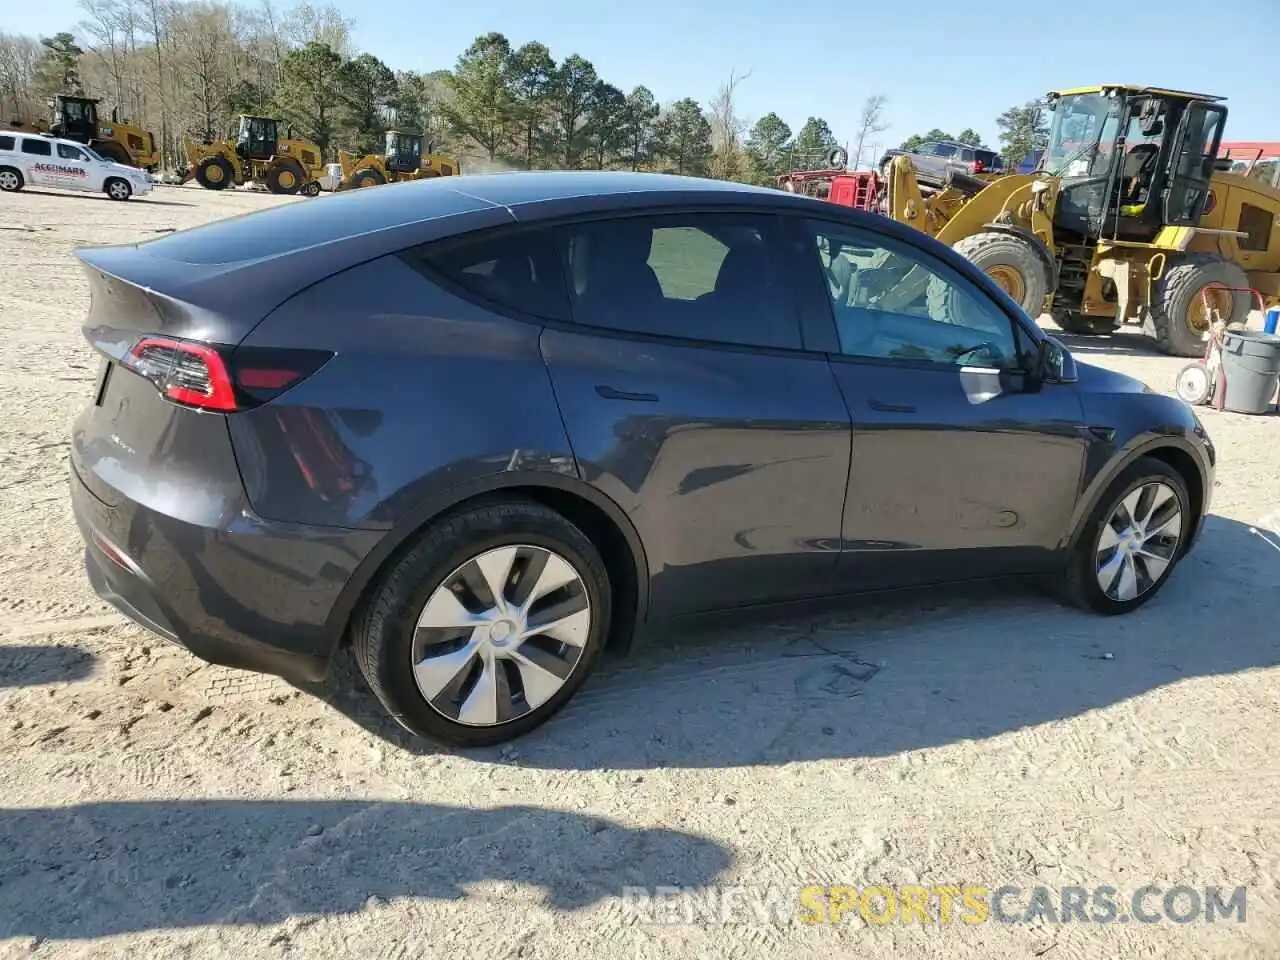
(187, 373)
(222, 380)
(978, 166)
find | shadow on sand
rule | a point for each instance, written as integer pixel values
(100, 869)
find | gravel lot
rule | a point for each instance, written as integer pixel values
(152, 806)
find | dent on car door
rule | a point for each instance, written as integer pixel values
(689, 401)
(962, 465)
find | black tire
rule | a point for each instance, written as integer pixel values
(1079, 585)
(1083, 326)
(1008, 252)
(367, 178)
(110, 150)
(117, 188)
(383, 632)
(11, 179)
(225, 176)
(312, 189)
(284, 179)
(1181, 284)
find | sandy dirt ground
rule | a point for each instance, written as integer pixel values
(152, 806)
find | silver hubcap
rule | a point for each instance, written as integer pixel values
(8, 181)
(1138, 543)
(501, 635)
(118, 190)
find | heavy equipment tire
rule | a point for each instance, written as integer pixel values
(367, 178)
(284, 179)
(1083, 326)
(469, 566)
(1157, 536)
(1010, 260)
(1177, 312)
(215, 173)
(11, 179)
(110, 150)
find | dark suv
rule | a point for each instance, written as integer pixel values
(481, 427)
(937, 158)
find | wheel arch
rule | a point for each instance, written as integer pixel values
(602, 520)
(1176, 452)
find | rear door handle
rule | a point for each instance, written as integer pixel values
(609, 393)
(891, 407)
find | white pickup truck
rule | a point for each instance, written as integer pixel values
(41, 160)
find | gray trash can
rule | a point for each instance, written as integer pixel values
(1251, 362)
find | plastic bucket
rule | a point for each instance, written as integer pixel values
(1251, 363)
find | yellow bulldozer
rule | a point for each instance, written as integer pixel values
(76, 118)
(403, 160)
(255, 154)
(1130, 220)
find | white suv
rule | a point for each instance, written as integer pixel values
(40, 160)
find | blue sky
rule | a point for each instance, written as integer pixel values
(945, 63)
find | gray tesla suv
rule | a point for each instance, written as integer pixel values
(480, 428)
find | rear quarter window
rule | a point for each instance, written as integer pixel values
(6, 143)
(304, 223)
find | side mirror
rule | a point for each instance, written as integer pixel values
(1054, 363)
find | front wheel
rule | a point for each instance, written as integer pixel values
(1012, 262)
(1133, 539)
(283, 179)
(117, 189)
(488, 626)
(10, 180)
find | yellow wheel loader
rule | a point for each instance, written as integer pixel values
(403, 160)
(76, 118)
(1129, 221)
(255, 155)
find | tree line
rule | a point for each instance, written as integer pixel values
(190, 67)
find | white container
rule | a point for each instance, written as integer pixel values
(332, 177)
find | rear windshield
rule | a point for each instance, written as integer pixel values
(988, 158)
(309, 222)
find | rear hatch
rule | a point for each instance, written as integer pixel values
(155, 431)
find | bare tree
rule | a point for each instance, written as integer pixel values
(727, 129)
(105, 42)
(18, 58)
(870, 123)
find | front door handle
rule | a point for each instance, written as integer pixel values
(609, 393)
(891, 407)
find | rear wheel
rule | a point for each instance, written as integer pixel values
(1189, 295)
(1132, 540)
(215, 173)
(1012, 262)
(117, 189)
(367, 178)
(10, 180)
(284, 179)
(487, 626)
(312, 189)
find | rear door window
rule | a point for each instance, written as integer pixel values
(37, 148)
(520, 271)
(714, 277)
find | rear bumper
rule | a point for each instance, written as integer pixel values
(249, 594)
